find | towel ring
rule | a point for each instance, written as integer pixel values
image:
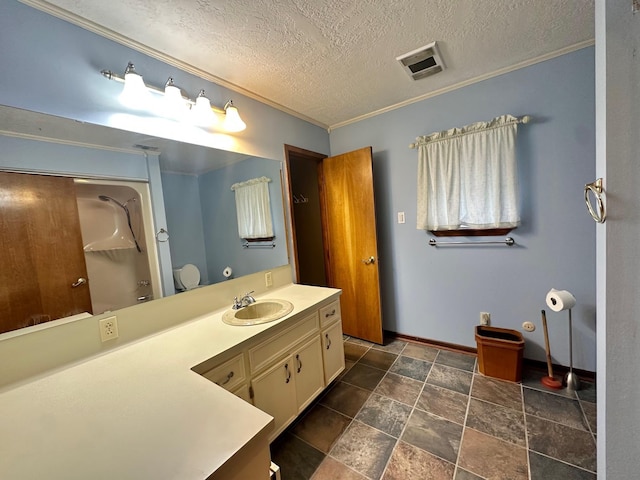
(162, 235)
(596, 187)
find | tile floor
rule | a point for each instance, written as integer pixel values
(409, 411)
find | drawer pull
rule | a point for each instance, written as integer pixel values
(229, 377)
(327, 315)
(326, 335)
(286, 369)
(299, 363)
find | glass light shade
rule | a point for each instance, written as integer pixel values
(232, 121)
(173, 104)
(202, 113)
(135, 93)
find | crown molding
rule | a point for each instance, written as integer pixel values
(58, 12)
(109, 34)
(471, 81)
(73, 143)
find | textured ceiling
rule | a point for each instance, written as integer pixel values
(334, 60)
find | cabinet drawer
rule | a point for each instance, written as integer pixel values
(229, 374)
(330, 313)
(269, 350)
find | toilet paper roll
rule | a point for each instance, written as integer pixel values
(227, 272)
(559, 300)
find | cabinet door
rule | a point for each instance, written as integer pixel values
(274, 392)
(332, 352)
(243, 392)
(307, 362)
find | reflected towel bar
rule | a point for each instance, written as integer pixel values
(259, 245)
(507, 241)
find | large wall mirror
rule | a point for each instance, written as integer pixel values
(72, 192)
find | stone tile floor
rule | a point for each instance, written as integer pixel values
(409, 411)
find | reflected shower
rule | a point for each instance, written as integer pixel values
(106, 198)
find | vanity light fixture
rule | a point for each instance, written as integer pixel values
(136, 94)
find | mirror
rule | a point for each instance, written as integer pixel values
(197, 200)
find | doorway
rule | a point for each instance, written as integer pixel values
(304, 170)
(337, 233)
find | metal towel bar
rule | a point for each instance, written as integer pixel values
(507, 241)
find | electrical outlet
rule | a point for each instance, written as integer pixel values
(485, 318)
(268, 279)
(108, 328)
(528, 326)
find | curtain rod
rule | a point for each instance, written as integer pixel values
(468, 129)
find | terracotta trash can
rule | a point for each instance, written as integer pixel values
(500, 352)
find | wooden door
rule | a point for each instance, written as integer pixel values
(350, 241)
(41, 252)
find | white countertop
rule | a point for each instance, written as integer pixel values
(138, 412)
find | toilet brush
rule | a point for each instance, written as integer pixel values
(549, 381)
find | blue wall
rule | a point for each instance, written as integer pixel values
(223, 245)
(201, 216)
(438, 293)
(184, 221)
(21, 154)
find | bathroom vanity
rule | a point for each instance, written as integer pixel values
(287, 366)
(180, 403)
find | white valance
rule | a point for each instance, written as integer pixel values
(253, 208)
(467, 177)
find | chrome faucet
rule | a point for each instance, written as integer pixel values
(244, 301)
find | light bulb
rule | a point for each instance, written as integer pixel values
(135, 93)
(232, 121)
(173, 104)
(202, 113)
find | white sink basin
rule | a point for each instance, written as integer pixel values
(262, 311)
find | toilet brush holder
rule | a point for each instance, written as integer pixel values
(571, 380)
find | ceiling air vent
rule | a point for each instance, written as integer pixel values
(422, 62)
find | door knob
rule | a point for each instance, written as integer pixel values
(81, 281)
(369, 261)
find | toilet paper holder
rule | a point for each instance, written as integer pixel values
(598, 190)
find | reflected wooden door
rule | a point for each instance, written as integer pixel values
(350, 241)
(41, 251)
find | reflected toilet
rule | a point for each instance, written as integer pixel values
(186, 277)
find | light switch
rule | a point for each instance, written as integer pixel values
(400, 217)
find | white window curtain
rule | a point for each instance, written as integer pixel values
(468, 178)
(253, 208)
